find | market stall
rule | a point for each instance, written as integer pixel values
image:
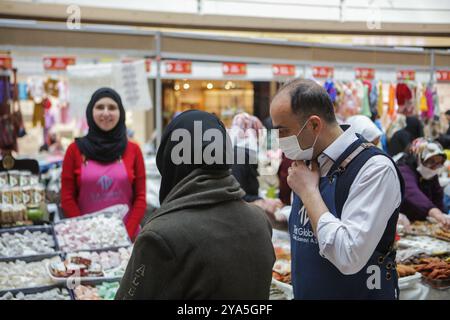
(80, 258)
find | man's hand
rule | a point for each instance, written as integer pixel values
(305, 183)
(303, 180)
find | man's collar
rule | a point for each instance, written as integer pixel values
(338, 146)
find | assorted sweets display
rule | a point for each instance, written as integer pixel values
(15, 243)
(22, 199)
(91, 232)
(20, 274)
(35, 259)
(51, 294)
(106, 264)
(103, 291)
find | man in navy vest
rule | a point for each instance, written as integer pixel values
(346, 197)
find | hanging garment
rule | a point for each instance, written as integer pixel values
(404, 99)
(437, 110)
(23, 91)
(418, 97)
(430, 102)
(349, 103)
(402, 93)
(380, 100)
(329, 86)
(36, 88)
(391, 102)
(365, 109)
(51, 87)
(38, 114)
(5, 95)
(423, 107)
(373, 98)
(63, 92)
(64, 114)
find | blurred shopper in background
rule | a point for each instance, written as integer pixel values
(364, 126)
(244, 134)
(401, 139)
(423, 193)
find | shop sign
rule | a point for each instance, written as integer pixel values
(283, 70)
(443, 75)
(323, 72)
(406, 75)
(58, 63)
(230, 68)
(365, 73)
(179, 67)
(5, 62)
(148, 63)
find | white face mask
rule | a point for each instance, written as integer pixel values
(426, 172)
(291, 148)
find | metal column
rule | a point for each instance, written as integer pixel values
(432, 66)
(158, 90)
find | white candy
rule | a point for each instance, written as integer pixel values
(20, 274)
(26, 244)
(97, 232)
(53, 294)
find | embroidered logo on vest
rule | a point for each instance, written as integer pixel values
(105, 182)
(304, 218)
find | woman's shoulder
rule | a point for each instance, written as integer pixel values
(133, 147)
(73, 149)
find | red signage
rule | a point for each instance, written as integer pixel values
(285, 70)
(58, 63)
(406, 75)
(365, 73)
(148, 62)
(5, 62)
(443, 75)
(323, 72)
(230, 68)
(179, 67)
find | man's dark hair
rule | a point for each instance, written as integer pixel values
(447, 113)
(309, 98)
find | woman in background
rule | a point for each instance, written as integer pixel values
(423, 194)
(104, 168)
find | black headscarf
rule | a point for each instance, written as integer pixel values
(99, 145)
(414, 127)
(172, 173)
(401, 140)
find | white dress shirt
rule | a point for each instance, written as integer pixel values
(375, 193)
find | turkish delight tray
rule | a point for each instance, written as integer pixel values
(26, 243)
(91, 232)
(87, 266)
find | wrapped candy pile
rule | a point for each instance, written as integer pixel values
(93, 264)
(104, 291)
(96, 232)
(53, 294)
(20, 274)
(113, 263)
(26, 244)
